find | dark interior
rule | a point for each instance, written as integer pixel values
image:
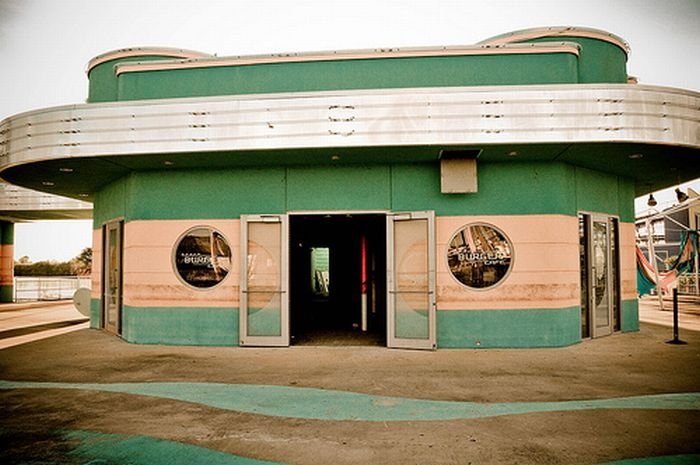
(326, 292)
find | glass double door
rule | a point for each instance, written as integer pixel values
(600, 275)
(410, 271)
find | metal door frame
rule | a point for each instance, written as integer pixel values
(395, 342)
(118, 226)
(595, 330)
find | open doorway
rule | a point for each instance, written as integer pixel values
(337, 279)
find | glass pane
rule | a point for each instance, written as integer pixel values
(264, 250)
(583, 222)
(264, 312)
(615, 273)
(411, 298)
(600, 257)
(113, 277)
(264, 309)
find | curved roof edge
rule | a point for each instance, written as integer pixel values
(141, 51)
(652, 133)
(367, 54)
(18, 204)
(566, 31)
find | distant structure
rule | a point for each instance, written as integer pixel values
(472, 196)
(17, 205)
(666, 227)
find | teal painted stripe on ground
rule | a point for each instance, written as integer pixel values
(320, 404)
(143, 450)
(92, 448)
(691, 459)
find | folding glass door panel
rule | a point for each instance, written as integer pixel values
(411, 280)
(264, 312)
(601, 282)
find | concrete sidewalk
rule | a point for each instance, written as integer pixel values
(650, 311)
(26, 322)
(89, 396)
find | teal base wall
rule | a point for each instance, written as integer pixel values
(95, 313)
(206, 326)
(630, 316)
(7, 293)
(527, 328)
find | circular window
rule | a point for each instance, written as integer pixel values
(479, 256)
(202, 257)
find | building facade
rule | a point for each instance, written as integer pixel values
(448, 197)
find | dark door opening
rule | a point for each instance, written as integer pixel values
(338, 279)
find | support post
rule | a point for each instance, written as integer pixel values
(697, 261)
(7, 262)
(652, 259)
(676, 339)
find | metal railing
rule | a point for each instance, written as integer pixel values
(32, 288)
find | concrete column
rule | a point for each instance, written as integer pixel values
(7, 261)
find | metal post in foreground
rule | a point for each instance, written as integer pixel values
(675, 339)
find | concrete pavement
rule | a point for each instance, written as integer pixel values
(88, 397)
(650, 311)
(26, 322)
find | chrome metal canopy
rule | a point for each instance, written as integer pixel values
(650, 134)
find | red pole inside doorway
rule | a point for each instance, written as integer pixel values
(363, 278)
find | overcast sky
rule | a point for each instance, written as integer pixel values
(45, 44)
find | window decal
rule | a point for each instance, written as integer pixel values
(479, 256)
(202, 257)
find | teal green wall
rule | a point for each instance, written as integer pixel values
(508, 328)
(7, 237)
(103, 82)
(7, 233)
(551, 68)
(110, 202)
(213, 326)
(205, 326)
(604, 193)
(504, 189)
(205, 193)
(599, 61)
(339, 188)
(95, 313)
(630, 316)
(7, 293)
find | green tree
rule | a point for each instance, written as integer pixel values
(82, 264)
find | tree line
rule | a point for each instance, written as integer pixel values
(80, 265)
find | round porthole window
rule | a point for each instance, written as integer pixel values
(202, 257)
(479, 256)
